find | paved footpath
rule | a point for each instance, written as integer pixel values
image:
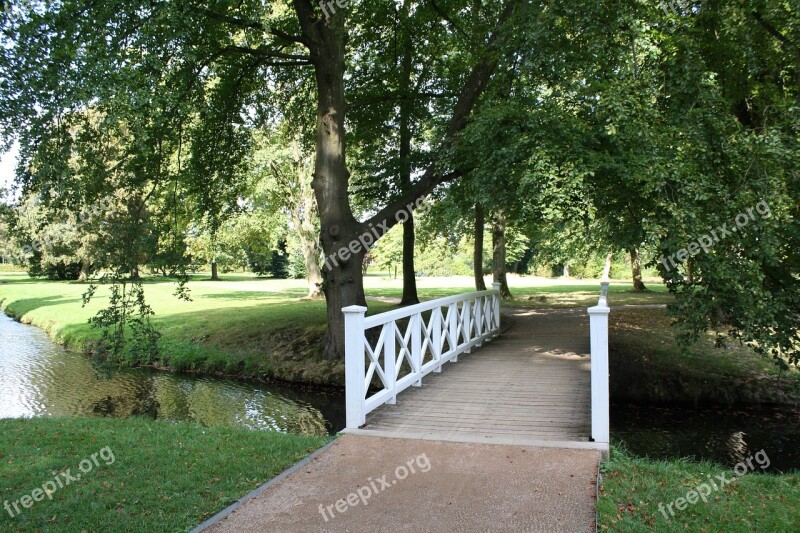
(372, 484)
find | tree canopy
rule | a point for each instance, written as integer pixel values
(575, 126)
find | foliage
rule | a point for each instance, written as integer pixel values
(127, 335)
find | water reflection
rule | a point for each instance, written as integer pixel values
(38, 378)
(725, 436)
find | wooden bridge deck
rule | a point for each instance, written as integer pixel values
(529, 386)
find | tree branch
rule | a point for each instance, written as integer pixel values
(248, 24)
(262, 52)
(476, 83)
(772, 30)
(394, 98)
(448, 19)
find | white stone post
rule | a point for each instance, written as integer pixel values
(354, 371)
(598, 329)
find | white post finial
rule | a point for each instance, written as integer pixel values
(603, 300)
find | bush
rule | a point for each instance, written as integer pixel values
(296, 267)
(8, 267)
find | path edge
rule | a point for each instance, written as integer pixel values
(258, 490)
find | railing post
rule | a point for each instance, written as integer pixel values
(467, 324)
(355, 374)
(598, 328)
(389, 358)
(436, 337)
(496, 307)
(416, 345)
(452, 315)
(478, 319)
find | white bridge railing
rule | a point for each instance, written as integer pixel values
(394, 350)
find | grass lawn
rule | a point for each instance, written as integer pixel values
(646, 364)
(633, 488)
(146, 475)
(244, 326)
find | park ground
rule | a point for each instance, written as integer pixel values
(253, 328)
(256, 328)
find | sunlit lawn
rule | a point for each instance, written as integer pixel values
(262, 328)
(149, 475)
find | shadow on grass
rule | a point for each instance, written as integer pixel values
(19, 308)
(255, 295)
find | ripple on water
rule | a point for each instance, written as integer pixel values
(39, 378)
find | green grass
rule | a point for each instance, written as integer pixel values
(634, 487)
(255, 328)
(565, 296)
(164, 476)
(646, 364)
(249, 328)
(242, 326)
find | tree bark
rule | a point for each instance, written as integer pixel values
(214, 274)
(499, 255)
(566, 270)
(343, 279)
(477, 255)
(300, 198)
(86, 266)
(339, 231)
(636, 270)
(607, 267)
(410, 296)
(313, 273)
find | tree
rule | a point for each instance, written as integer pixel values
(284, 186)
(477, 257)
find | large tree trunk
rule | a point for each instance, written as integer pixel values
(304, 214)
(477, 254)
(86, 267)
(214, 273)
(409, 275)
(410, 296)
(607, 267)
(313, 272)
(343, 285)
(499, 255)
(636, 269)
(343, 279)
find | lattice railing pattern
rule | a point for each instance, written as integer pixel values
(389, 352)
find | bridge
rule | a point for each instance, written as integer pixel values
(441, 370)
(458, 419)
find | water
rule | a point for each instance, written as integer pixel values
(723, 435)
(39, 378)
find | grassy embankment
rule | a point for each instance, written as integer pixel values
(242, 326)
(634, 487)
(255, 328)
(153, 476)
